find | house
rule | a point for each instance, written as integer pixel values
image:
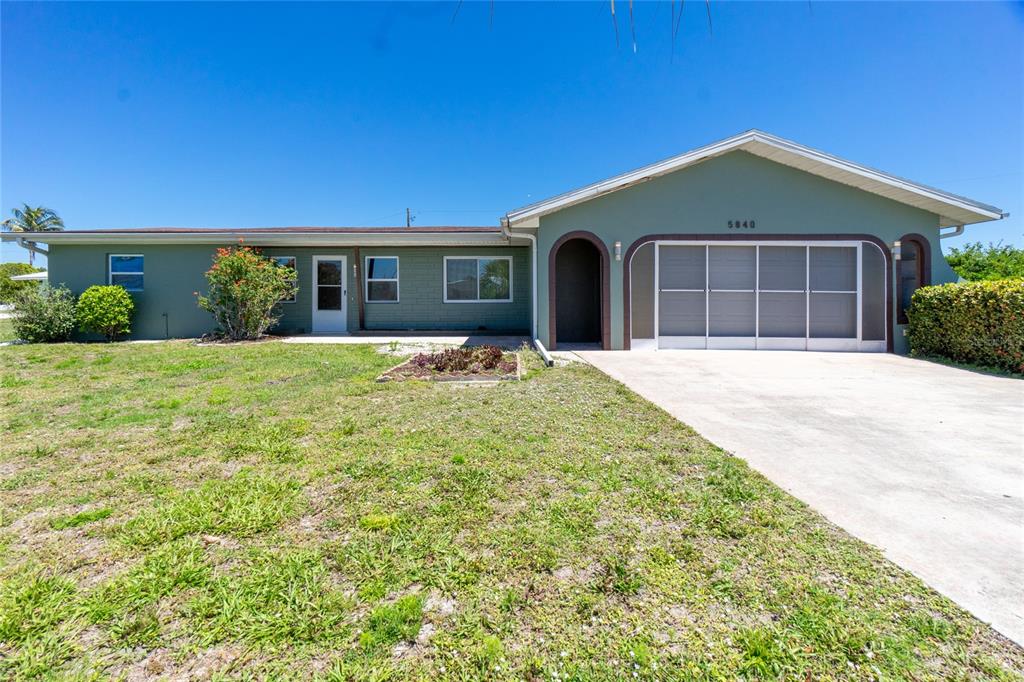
(751, 242)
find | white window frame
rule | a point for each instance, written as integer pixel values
(111, 273)
(367, 280)
(295, 267)
(444, 280)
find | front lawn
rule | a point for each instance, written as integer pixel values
(269, 510)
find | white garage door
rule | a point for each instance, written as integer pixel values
(769, 295)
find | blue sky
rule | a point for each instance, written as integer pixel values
(252, 114)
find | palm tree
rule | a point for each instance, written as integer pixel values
(29, 219)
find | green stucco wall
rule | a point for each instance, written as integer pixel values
(167, 307)
(701, 199)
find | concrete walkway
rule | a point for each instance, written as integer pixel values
(412, 339)
(922, 460)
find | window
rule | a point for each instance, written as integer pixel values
(286, 262)
(126, 271)
(382, 279)
(475, 280)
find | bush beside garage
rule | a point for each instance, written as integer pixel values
(979, 323)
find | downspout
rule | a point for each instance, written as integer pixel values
(357, 272)
(30, 246)
(507, 231)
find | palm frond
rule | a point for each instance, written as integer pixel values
(615, 24)
(632, 25)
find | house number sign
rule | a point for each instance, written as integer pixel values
(741, 225)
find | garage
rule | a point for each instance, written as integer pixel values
(792, 295)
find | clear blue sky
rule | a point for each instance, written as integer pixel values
(250, 114)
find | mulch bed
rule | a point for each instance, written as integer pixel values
(409, 370)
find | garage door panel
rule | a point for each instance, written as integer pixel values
(731, 314)
(732, 267)
(833, 316)
(833, 268)
(681, 313)
(681, 267)
(782, 315)
(782, 268)
(872, 294)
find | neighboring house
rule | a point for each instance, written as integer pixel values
(751, 242)
(30, 277)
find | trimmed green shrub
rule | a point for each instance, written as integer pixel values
(106, 310)
(8, 288)
(44, 314)
(975, 322)
(244, 288)
(975, 262)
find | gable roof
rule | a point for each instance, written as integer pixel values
(952, 209)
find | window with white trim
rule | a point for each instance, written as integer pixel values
(286, 262)
(381, 279)
(125, 270)
(477, 279)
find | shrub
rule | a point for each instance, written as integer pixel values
(975, 262)
(106, 310)
(244, 287)
(9, 289)
(974, 322)
(44, 314)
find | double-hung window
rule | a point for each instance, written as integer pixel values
(125, 270)
(286, 262)
(381, 279)
(477, 279)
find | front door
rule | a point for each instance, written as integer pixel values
(329, 295)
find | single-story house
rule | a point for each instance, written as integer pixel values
(752, 242)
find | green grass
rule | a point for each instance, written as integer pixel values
(80, 519)
(270, 511)
(6, 330)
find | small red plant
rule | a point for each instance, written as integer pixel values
(474, 360)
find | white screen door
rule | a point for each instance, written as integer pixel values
(329, 294)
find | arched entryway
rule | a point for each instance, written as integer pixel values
(913, 271)
(578, 285)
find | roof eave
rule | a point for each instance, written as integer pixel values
(965, 211)
(321, 239)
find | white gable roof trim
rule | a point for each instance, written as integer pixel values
(952, 209)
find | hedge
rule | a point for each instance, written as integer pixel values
(9, 289)
(975, 322)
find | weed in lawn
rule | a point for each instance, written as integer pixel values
(141, 629)
(22, 479)
(32, 602)
(80, 519)
(765, 653)
(389, 624)
(930, 627)
(272, 599)
(382, 522)
(277, 442)
(147, 483)
(618, 577)
(169, 568)
(243, 505)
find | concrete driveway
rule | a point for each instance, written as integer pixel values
(924, 461)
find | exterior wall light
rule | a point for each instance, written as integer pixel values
(896, 250)
(618, 250)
